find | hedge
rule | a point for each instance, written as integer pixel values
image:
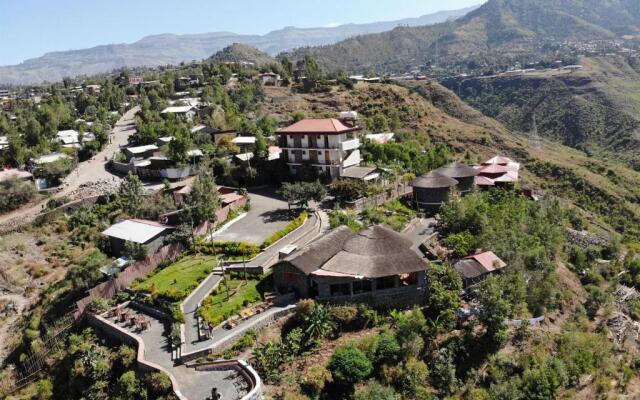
(230, 249)
(293, 225)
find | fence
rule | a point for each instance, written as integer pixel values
(373, 201)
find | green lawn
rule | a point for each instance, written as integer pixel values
(178, 280)
(216, 308)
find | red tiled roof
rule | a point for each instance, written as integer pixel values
(488, 260)
(498, 160)
(494, 169)
(483, 181)
(326, 125)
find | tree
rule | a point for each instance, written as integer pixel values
(494, 310)
(179, 146)
(44, 389)
(302, 193)
(443, 295)
(128, 387)
(130, 194)
(135, 251)
(349, 365)
(203, 201)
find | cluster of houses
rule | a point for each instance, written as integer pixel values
(433, 189)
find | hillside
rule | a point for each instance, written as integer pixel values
(605, 189)
(595, 109)
(241, 52)
(504, 26)
(172, 49)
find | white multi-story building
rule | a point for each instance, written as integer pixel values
(326, 144)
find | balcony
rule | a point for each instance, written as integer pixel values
(350, 144)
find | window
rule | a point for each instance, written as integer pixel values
(409, 279)
(340, 289)
(386, 282)
(361, 286)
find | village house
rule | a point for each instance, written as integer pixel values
(497, 171)
(375, 266)
(327, 144)
(462, 173)
(269, 79)
(149, 234)
(245, 143)
(380, 138)
(140, 152)
(474, 268)
(71, 138)
(365, 174)
(214, 134)
(17, 174)
(432, 190)
(185, 113)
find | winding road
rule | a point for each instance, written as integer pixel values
(88, 171)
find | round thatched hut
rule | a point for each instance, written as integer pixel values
(463, 173)
(432, 190)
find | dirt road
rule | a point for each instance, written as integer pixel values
(88, 171)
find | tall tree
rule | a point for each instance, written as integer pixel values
(130, 194)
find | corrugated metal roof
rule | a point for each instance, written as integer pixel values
(135, 230)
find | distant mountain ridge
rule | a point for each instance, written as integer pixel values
(497, 25)
(167, 48)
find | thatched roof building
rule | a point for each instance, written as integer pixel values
(344, 264)
(462, 173)
(432, 190)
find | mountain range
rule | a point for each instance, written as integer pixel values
(172, 49)
(497, 26)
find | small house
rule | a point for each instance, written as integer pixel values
(149, 234)
(473, 269)
(140, 152)
(365, 174)
(432, 190)
(186, 113)
(462, 173)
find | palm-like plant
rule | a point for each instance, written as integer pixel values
(318, 323)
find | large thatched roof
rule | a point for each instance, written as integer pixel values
(433, 180)
(372, 253)
(457, 170)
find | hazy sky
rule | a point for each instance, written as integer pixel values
(30, 28)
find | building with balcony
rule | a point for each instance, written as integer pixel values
(327, 144)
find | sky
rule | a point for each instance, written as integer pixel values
(30, 28)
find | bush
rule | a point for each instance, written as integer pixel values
(229, 249)
(315, 379)
(350, 365)
(293, 225)
(344, 315)
(375, 391)
(388, 349)
(158, 383)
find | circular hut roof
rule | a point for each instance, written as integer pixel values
(376, 241)
(457, 170)
(433, 180)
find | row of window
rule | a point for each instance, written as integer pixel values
(366, 285)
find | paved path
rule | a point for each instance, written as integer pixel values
(268, 214)
(194, 385)
(190, 306)
(300, 237)
(87, 171)
(419, 230)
